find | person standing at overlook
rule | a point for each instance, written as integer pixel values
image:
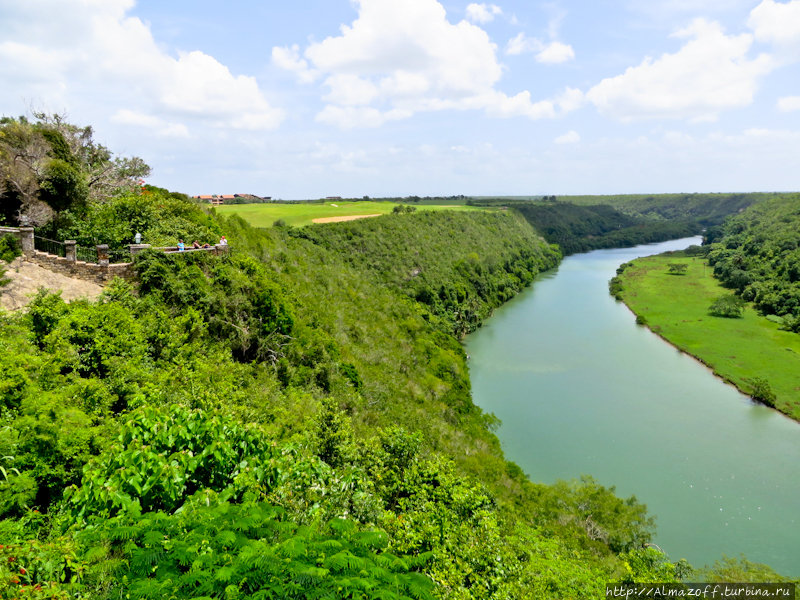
(181, 246)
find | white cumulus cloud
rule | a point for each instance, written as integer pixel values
(483, 13)
(400, 57)
(789, 103)
(776, 22)
(160, 126)
(551, 54)
(555, 53)
(58, 49)
(710, 73)
(289, 59)
(571, 137)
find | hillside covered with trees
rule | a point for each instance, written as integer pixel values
(757, 254)
(705, 209)
(308, 421)
(578, 228)
(290, 420)
(460, 266)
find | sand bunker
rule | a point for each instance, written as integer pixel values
(339, 219)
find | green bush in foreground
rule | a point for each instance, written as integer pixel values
(248, 552)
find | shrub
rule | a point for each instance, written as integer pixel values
(615, 287)
(164, 455)
(9, 248)
(791, 323)
(728, 306)
(695, 250)
(93, 339)
(252, 551)
(677, 268)
(762, 391)
(44, 313)
(641, 320)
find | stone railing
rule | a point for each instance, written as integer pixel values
(100, 272)
(24, 235)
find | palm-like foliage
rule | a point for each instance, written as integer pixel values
(248, 551)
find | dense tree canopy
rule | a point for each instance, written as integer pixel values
(49, 165)
(757, 254)
(290, 420)
(302, 411)
(578, 228)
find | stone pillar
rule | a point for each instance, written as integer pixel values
(221, 249)
(70, 251)
(136, 248)
(26, 239)
(102, 255)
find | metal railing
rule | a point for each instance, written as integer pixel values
(49, 246)
(119, 256)
(84, 254)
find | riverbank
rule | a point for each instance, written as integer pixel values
(580, 388)
(738, 350)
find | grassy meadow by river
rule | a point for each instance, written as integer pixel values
(737, 349)
(297, 215)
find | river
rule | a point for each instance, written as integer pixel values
(581, 389)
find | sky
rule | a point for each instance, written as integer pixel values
(315, 98)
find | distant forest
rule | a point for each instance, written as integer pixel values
(582, 228)
(706, 209)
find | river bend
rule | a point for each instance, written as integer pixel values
(581, 389)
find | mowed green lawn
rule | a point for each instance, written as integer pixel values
(737, 349)
(264, 215)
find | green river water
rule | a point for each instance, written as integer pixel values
(581, 389)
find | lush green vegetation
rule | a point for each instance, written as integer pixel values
(706, 209)
(582, 228)
(297, 215)
(290, 420)
(750, 351)
(757, 254)
(281, 423)
(458, 265)
(9, 250)
(160, 217)
(49, 166)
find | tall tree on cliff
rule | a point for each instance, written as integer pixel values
(49, 165)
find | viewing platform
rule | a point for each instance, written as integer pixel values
(97, 264)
